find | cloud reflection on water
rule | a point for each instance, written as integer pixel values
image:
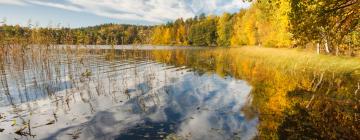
(147, 100)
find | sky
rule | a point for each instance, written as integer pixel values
(82, 13)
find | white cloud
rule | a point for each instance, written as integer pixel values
(56, 5)
(154, 11)
(13, 2)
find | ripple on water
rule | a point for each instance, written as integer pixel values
(123, 99)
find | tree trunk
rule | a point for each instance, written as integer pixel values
(318, 48)
(327, 46)
(350, 50)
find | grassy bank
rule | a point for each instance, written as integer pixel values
(300, 59)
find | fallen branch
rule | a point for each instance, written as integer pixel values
(358, 88)
(319, 82)
(312, 98)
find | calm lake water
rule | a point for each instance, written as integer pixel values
(85, 95)
(164, 94)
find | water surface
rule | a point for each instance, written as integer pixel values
(177, 93)
(122, 94)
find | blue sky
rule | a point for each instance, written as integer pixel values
(80, 13)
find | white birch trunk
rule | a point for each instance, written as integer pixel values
(327, 46)
(318, 48)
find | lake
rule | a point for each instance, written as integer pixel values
(132, 92)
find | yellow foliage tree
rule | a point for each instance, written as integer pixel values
(264, 23)
(224, 30)
(181, 35)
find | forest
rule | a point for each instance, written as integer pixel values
(327, 26)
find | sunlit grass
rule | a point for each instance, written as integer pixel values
(299, 59)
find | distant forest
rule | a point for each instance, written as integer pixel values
(328, 25)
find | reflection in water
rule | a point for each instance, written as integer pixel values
(296, 95)
(177, 94)
(84, 95)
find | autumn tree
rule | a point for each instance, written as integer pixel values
(203, 33)
(224, 30)
(156, 35)
(265, 23)
(180, 29)
(324, 22)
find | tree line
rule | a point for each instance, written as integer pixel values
(105, 34)
(327, 25)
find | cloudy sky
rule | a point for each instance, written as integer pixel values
(77, 13)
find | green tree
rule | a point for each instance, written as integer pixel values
(203, 33)
(224, 30)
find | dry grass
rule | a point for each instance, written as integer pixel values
(299, 60)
